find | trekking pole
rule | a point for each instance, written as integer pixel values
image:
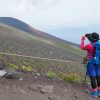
(85, 62)
(85, 78)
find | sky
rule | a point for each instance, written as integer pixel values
(66, 19)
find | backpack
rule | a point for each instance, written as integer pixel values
(97, 52)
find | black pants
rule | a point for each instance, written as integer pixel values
(95, 81)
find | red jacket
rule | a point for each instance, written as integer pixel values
(89, 47)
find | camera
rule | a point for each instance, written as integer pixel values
(86, 35)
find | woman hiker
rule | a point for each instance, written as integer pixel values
(93, 70)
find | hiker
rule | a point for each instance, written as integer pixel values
(93, 69)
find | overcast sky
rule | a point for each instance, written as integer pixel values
(67, 19)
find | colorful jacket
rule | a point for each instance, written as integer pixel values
(89, 47)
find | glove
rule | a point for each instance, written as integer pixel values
(83, 37)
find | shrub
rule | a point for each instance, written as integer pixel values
(21, 67)
(52, 74)
(70, 77)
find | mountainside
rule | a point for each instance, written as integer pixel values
(16, 41)
(25, 27)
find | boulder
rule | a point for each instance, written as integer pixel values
(2, 73)
(47, 89)
(12, 75)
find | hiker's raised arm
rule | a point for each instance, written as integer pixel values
(84, 47)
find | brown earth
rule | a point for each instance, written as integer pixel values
(18, 89)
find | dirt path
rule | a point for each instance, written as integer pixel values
(11, 89)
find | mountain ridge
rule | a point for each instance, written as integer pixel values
(13, 22)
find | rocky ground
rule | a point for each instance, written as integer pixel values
(37, 87)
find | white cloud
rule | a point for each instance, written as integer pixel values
(53, 13)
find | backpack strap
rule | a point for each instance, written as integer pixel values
(94, 45)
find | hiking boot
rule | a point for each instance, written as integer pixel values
(98, 92)
(94, 94)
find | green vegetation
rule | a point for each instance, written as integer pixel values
(20, 67)
(52, 74)
(67, 77)
(71, 77)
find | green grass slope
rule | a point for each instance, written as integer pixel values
(15, 41)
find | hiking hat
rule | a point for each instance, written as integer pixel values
(93, 37)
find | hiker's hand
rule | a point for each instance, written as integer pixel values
(83, 37)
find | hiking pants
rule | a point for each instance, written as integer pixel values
(93, 71)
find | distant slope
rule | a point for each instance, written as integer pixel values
(25, 27)
(16, 41)
(15, 23)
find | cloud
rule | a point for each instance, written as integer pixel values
(16, 7)
(53, 13)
